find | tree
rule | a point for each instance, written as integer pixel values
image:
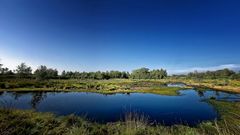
(115, 74)
(145, 73)
(1, 69)
(52, 73)
(142, 73)
(43, 73)
(1, 66)
(163, 73)
(223, 74)
(23, 70)
(98, 75)
(125, 75)
(158, 74)
(63, 74)
(4, 71)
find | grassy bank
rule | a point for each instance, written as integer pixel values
(227, 85)
(34, 123)
(98, 86)
(118, 85)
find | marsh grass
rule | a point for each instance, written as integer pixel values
(118, 85)
(97, 86)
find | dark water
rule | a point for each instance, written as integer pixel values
(188, 108)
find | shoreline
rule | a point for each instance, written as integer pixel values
(118, 86)
(168, 91)
(72, 124)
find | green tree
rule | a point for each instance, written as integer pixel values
(125, 75)
(4, 71)
(142, 73)
(224, 74)
(98, 75)
(158, 74)
(52, 73)
(1, 66)
(84, 75)
(23, 70)
(63, 74)
(41, 73)
(1, 69)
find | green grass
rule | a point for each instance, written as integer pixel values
(170, 91)
(97, 86)
(22, 122)
(230, 116)
(118, 85)
(226, 85)
(33, 123)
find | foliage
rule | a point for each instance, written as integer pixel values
(95, 75)
(43, 73)
(144, 73)
(23, 71)
(100, 86)
(224, 74)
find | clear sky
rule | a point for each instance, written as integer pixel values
(91, 35)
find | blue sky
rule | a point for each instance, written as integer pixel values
(91, 35)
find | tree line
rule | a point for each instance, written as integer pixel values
(95, 75)
(24, 71)
(44, 73)
(218, 74)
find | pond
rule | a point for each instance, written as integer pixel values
(181, 85)
(187, 108)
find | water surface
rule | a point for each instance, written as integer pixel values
(188, 108)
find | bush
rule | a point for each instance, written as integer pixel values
(2, 85)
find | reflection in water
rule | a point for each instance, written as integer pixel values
(217, 93)
(16, 95)
(200, 93)
(37, 98)
(181, 85)
(168, 110)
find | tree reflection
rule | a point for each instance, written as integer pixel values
(200, 93)
(16, 95)
(37, 97)
(217, 93)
